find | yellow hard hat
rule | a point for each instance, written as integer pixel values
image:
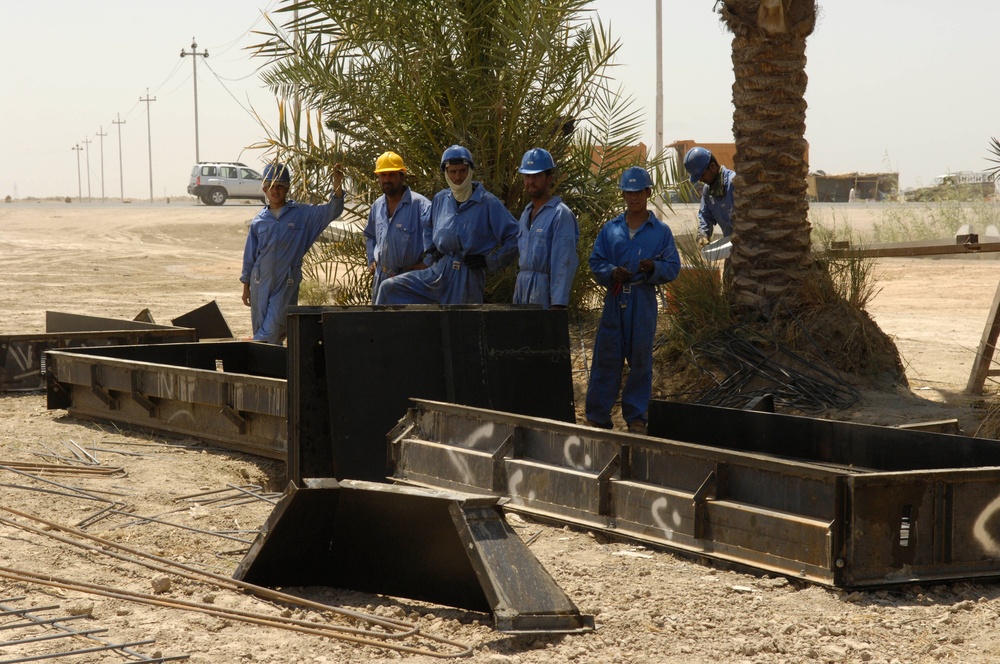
(389, 162)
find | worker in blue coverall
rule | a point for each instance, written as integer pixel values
(716, 196)
(547, 236)
(394, 239)
(471, 233)
(633, 253)
(279, 237)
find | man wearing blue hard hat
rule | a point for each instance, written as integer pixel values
(471, 233)
(546, 240)
(716, 196)
(633, 253)
(279, 237)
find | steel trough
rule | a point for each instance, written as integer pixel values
(833, 503)
(233, 394)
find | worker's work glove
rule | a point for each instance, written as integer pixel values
(475, 261)
(647, 266)
(434, 254)
(702, 241)
(621, 275)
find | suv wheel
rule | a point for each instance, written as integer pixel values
(216, 197)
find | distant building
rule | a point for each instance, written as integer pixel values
(724, 153)
(618, 158)
(837, 188)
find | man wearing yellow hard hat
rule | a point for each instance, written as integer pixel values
(394, 234)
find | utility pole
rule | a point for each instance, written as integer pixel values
(194, 62)
(79, 187)
(658, 138)
(102, 134)
(121, 180)
(149, 138)
(86, 142)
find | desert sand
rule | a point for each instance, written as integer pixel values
(114, 260)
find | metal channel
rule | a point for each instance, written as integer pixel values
(22, 356)
(353, 371)
(233, 394)
(444, 547)
(812, 518)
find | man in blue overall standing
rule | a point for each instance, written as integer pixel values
(279, 237)
(471, 233)
(546, 241)
(633, 253)
(394, 239)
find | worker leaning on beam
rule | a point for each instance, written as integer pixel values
(394, 233)
(279, 237)
(470, 233)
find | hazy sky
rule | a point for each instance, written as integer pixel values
(908, 87)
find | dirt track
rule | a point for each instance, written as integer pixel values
(651, 606)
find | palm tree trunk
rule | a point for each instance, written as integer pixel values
(771, 243)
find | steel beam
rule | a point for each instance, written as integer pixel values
(823, 501)
(352, 371)
(435, 546)
(233, 394)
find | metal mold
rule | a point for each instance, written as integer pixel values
(233, 394)
(22, 356)
(435, 546)
(353, 370)
(829, 502)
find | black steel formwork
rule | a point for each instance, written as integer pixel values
(353, 370)
(233, 394)
(436, 546)
(22, 356)
(834, 503)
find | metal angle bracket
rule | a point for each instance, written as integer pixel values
(437, 546)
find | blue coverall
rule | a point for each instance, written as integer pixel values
(546, 248)
(717, 209)
(481, 225)
(397, 243)
(628, 322)
(272, 261)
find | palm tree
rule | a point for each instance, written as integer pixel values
(771, 232)
(497, 76)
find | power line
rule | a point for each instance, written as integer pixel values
(101, 133)
(86, 141)
(79, 188)
(194, 62)
(121, 179)
(149, 137)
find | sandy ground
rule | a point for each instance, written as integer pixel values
(114, 260)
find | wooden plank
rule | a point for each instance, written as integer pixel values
(905, 252)
(987, 347)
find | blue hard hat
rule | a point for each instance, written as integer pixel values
(277, 171)
(696, 161)
(456, 154)
(635, 179)
(536, 160)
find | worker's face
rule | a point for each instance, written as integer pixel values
(711, 171)
(275, 191)
(457, 173)
(392, 183)
(537, 185)
(635, 201)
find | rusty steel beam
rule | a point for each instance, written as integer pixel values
(828, 502)
(233, 394)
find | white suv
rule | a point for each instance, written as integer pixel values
(213, 182)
